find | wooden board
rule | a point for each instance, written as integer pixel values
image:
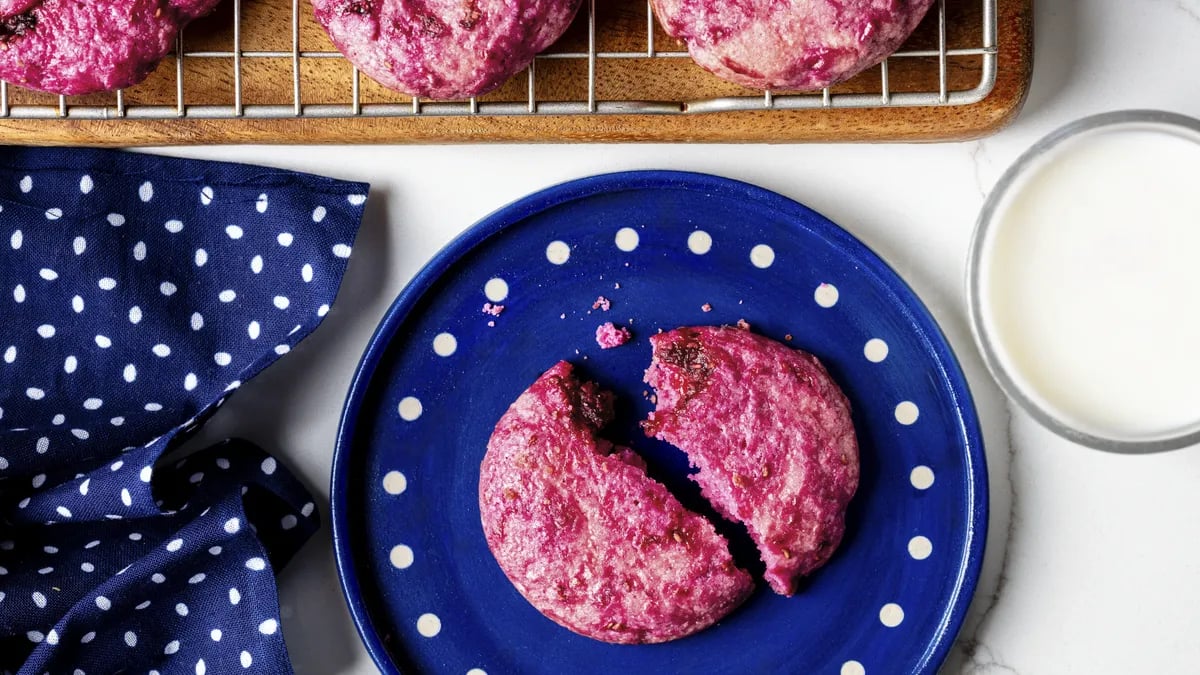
(621, 25)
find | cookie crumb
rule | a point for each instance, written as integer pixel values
(491, 324)
(602, 303)
(562, 316)
(706, 307)
(609, 335)
(494, 310)
(788, 337)
(743, 324)
(617, 286)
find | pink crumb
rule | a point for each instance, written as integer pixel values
(617, 286)
(743, 324)
(491, 324)
(494, 310)
(706, 307)
(602, 303)
(609, 335)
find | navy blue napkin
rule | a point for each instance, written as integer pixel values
(136, 294)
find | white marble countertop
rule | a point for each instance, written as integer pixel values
(1093, 565)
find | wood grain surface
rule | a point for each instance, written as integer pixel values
(621, 25)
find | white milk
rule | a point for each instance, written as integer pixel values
(1090, 283)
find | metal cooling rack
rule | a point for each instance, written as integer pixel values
(354, 106)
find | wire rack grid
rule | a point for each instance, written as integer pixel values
(355, 106)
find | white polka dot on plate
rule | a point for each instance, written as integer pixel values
(79, 245)
(254, 330)
(921, 477)
(281, 302)
(234, 232)
(496, 289)
(206, 195)
(429, 625)
(920, 547)
(246, 659)
(262, 203)
(476, 671)
(86, 184)
(201, 257)
(401, 557)
(627, 239)
(394, 482)
(699, 242)
(445, 344)
(268, 627)
(256, 564)
(146, 191)
(852, 668)
(54, 213)
(907, 413)
(116, 219)
(16, 239)
(410, 408)
(826, 295)
(341, 250)
(762, 256)
(557, 252)
(256, 264)
(268, 466)
(284, 238)
(306, 273)
(318, 214)
(875, 350)
(174, 226)
(891, 615)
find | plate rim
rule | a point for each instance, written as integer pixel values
(968, 427)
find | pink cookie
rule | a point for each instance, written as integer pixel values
(771, 435)
(795, 44)
(443, 48)
(72, 47)
(585, 536)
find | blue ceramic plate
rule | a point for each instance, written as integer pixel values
(422, 586)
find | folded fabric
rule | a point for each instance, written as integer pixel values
(136, 294)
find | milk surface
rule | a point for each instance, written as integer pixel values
(1090, 283)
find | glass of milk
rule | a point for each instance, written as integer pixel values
(1083, 281)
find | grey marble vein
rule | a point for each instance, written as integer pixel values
(980, 659)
